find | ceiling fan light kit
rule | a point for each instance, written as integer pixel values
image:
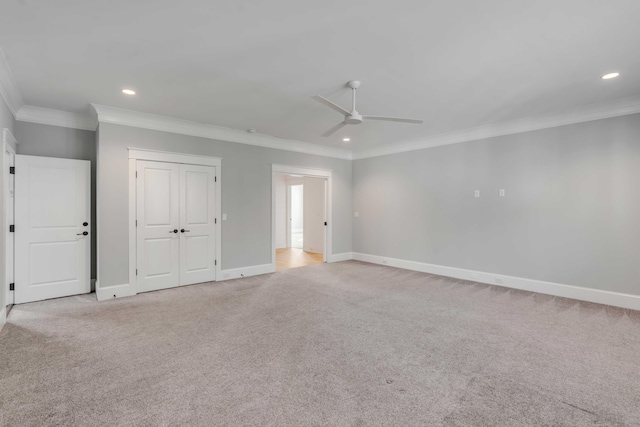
(353, 117)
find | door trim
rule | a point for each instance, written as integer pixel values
(9, 143)
(7, 149)
(136, 154)
(171, 157)
(314, 173)
(288, 214)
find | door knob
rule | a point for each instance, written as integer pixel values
(182, 230)
(175, 230)
(84, 233)
(85, 223)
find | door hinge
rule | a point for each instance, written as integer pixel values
(325, 223)
(215, 262)
(136, 271)
(136, 174)
(12, 229)
(136, 222)
(12, 286)
(215, 179)
(215, 221)
(12, 170)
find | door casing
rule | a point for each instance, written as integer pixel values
(9, 203)
(9, 144)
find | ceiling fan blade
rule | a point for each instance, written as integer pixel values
(334, 129)
(330, 104)
(393, 119)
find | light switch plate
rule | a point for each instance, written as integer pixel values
(476, 193)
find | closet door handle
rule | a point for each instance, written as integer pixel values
(174, 231)
(182, 230)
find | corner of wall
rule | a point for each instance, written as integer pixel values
(345, 256)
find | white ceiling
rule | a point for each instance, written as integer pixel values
(457, 64)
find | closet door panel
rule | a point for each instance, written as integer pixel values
(197, 224)
(158, 236)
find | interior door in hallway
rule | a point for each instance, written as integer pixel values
(158, 224)
(52, 232)
(197, 224)
(314, 214)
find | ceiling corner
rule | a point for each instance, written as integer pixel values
(119, 116)
(47, 116)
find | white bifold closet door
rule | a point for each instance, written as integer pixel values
(52, 232)
(176, 231)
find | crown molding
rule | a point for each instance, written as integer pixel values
(620, 107)
(47, 116)
(8, 88)
(168, 124)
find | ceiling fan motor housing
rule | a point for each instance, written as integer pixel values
(353, 119)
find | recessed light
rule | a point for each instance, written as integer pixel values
(346, 139)
(128, 92)
(610, 76)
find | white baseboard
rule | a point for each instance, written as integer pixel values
(125, 290)
(116, 291)
(254, 270)
(3, 317)
(345, 256)
(568, 291)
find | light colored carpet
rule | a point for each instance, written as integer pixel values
(345, 344)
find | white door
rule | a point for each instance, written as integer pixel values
(9, 159)
(52, 239)
(197, 224)
(314, 214)
(158, 223)
(176, 225)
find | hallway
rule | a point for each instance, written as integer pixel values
(293, 257)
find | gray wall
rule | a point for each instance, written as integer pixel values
(571, 214)
(52, 141)
(246, 195)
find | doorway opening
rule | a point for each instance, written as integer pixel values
(300, 202)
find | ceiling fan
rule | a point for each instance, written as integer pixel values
(353, 117)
